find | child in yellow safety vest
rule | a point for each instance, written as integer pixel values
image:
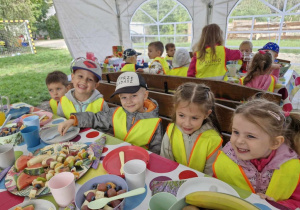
(58, 85)
(84, 97)
(194, 137)
(258, 157)
(136, 122)
(260, 74)
(181, 62)
(159, 65)
(130, 58)
(170, 50)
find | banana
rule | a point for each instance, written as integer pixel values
(220, 201)
(36, 159)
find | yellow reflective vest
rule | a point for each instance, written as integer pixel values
(68, 107)
(202, 150)
(140, 134)
(180, 71)
(164, 64)
(167, 58)
(129, 67)
(53, 104)
(212, 69)
(271, 87)
(282, 185)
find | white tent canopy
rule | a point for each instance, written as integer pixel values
(97, 25)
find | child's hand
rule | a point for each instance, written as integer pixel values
(140, 70)
(64, 126)
(264, 196)
(275, 66)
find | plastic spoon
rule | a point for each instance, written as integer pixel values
(100, 203)
(6, 120)
(121, 155)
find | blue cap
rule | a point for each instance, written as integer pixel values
(130, 52)
(271, 46)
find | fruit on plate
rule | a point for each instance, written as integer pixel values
(37, 159)
(215, 200)
(36, 169)
(28, 207)
(6, 131)
(24, 180)
(21, 162)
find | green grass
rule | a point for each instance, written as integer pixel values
(22, 78)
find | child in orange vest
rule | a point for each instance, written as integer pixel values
(210, 57)
(260, 74)
(258, 158)
(194, 137)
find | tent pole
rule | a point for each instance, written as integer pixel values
(119, 24)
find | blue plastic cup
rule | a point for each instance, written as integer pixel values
(32, 121)
(31, 136)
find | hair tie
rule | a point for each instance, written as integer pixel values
(262, 52)
(274, 115)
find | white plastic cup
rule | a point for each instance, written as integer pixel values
(32, 121)
(7, 155)
(232, 70)
(135, 171)
(162, 201)
(62, 187)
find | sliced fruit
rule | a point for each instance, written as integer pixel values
(35, 169)
(29, 207)
(24, 180)
(37, 159)
(21, 162)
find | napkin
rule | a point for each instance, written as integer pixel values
(97, 147)
(166, 186)
(55, 134)
(3, 173)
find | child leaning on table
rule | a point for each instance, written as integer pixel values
(136, 122)
(260, 74)
(83, 97)
(159, 65)
(258, 158)
(58, 85)
(194, 137)
(130, 58)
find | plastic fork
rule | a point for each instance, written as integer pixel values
(121, 155)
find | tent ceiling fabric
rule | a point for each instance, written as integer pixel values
(92, 25)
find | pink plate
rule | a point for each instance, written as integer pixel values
(111, 161)
(44, 121)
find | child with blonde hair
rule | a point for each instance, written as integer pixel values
(245, 48)
(258, 157)
(210, 57)
(260, 74)
(193, 139)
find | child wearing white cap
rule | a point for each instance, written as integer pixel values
(181, 63)
(136, 122)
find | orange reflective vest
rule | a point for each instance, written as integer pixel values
(212, 69)
(271, 87)
(282, 185)
(68, 106)
(53, 104)
(140, 134)
(202, 150)
(129, 67)
(163, 63)
(180, 71)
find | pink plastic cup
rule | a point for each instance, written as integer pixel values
(62, 187)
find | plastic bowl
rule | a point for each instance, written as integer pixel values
(44, 121)
(10, 139)
(80, 198)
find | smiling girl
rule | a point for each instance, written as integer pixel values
(194, 139)
(258, 158)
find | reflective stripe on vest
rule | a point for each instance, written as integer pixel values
(167, 58)
(282, 185)
(53, 104)
(68, 106)
(270, 88)
(163, 63)
(128, 67)
(180, 71)
(212, 69)
(202, 147)
(140, 134)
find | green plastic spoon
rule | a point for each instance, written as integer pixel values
(100, 203)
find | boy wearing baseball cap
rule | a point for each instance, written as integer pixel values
(136, 122)
(83, 97)
(273, 48)
(130, 58)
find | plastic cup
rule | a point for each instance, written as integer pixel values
(31, 136)
(7, 155)
(32, 121)
(232, 71)
(162, 201)
(135, 171)
(62, 187)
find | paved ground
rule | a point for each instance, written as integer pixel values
(55, 44)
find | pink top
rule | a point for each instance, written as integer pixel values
(263, 81)
(230, 55)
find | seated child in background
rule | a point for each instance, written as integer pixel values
(245, 47)
(136, 122)
(170, 50)
(260, 74)
(272, 48)
(83, 97)
(159, 65)
(258, 158)
(194, 137)
(58, 85)
(130, 58)
(181, 62)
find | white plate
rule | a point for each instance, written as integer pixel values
(38, 204)
(51, 131)
(204, 184)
